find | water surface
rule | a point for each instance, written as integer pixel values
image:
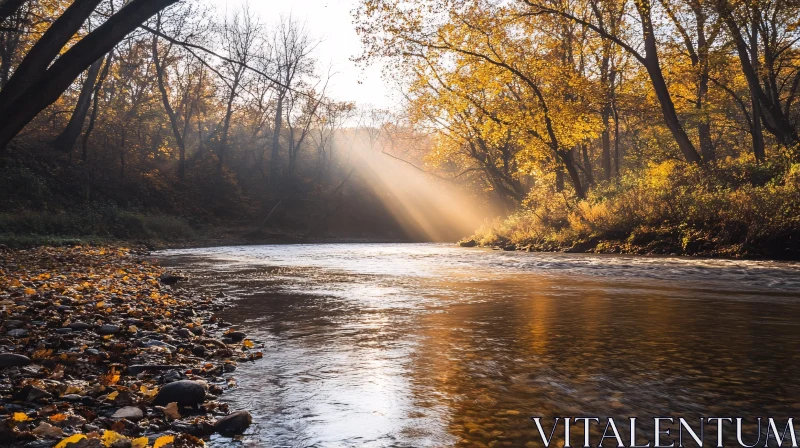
(425, 345)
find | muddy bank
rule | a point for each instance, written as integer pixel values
(99, 346)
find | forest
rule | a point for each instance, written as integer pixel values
(666, 126)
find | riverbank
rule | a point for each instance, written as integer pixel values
(740, 210)
(98, 346)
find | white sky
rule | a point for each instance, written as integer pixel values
(331, 21)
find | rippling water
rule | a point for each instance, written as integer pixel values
(418, 345)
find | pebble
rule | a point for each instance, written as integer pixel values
(13, 360)
(131, 413)
(18, 333)
(108, 329)
(184, 392)
(233, 424)
(79, 326)
(236, 336)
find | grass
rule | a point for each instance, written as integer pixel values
(92, 225)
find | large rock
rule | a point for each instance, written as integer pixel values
(13, 360)
(233, 424)
(131, 413)
(184, 392)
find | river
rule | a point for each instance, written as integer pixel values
(430, 345)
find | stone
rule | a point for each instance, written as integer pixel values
(108, 329)
(468, 243)
(171, 279)
(36, 394)
(18, 333)
(79, 326)
(139, 368)
(131, 413)
(184, 392)
(13, 360)
(233, 424)
(154, 343)
(236, 336)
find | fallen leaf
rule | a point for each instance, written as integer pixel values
(71, 439)
(163, 440)
(171, 411)
(20, 417)
(110, 437)
(248, 343)
(141, 442)
(112, 395)
(47, 430)
(57, 418)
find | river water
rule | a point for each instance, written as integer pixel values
(428, 345)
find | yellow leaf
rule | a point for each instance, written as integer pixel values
(148, 393)
(141, 442)
(110, 437)
(21, 417)
(248, 343)
(163, 440)
(71, 439)
(113, 395)
(30, 291)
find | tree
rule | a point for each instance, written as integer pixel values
(43, 87)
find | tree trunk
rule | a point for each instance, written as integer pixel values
(66, 140)
(95, 105)
(276, 144)
(607, 80)
(704, 125)
(173, 118)
(653, 66)
(574, 176)
(34, 65)
(757, 133)
(66, 69)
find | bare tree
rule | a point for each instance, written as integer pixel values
(292, 62)
(240, 35)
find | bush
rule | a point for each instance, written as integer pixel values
(737, 208)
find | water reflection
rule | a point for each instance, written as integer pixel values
(429, 345)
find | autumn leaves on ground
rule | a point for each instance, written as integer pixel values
(97, 350)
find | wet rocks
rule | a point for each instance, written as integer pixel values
(170, 279)
(13, 360)
(103, 350)
(235, 336)
(184, 392)
(233, 424)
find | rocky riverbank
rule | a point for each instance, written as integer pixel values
(99, 347)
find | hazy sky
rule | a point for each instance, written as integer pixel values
(331, 21)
